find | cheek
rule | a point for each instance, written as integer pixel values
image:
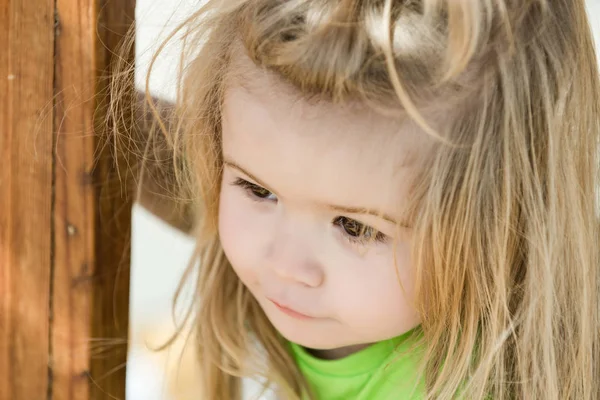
(375, 295)
(237, 235)
(400, 289)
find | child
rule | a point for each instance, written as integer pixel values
(393, 199)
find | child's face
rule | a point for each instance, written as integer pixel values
(298, 179)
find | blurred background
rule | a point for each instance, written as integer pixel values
(159, 252)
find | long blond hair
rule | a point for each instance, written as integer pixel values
(505, 211)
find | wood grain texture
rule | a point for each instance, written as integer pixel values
(26, 34)
(64, 212)
(75, 205)
(93, 207)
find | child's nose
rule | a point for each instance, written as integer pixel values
(292, 260)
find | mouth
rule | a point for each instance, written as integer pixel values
(290, 312)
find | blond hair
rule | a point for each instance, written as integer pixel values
(505, 210)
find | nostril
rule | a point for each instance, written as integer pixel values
(314, 277)
(307, 274)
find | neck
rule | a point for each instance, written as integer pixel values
(340, 352)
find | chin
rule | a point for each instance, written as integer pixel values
(317, 333)
(309, 334)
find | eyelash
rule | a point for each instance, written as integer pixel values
(360, 234)
(252, 190)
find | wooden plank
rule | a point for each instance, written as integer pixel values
(111, 294)
(64, 257)
(26, 76)
(74, 217)
(93, 208)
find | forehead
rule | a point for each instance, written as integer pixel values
(318, 151)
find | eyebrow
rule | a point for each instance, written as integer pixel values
(342, 209)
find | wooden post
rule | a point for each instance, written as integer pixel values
(64, 213)
(26, 92)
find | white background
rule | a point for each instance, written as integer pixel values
(159, 253)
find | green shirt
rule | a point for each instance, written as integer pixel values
(382, 371)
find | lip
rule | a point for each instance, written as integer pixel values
(290, 312)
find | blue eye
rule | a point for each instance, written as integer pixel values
(357, 232)
(255, 192)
